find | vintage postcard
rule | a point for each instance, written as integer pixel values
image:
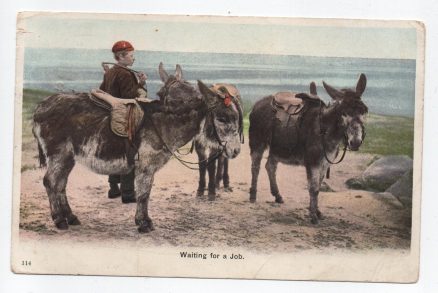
(218, 147)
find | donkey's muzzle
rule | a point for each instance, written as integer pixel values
(354, 144)
(232, 153)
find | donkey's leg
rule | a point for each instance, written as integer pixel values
(271, 168)
(68, 214)
(227, 186)
(323, 171)
(200, 150)
(211, 179)
(314, 181)
(219, 171)
(256, 157)
(144, 182)
(55, 180)
(70, 217)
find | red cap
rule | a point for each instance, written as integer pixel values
(122, 46)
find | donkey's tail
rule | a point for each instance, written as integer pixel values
(41, 156)
(260, 125)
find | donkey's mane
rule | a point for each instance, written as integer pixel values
(353, 105)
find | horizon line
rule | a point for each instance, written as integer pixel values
(204, 52)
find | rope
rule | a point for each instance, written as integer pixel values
(183, 162)
(192, 146)
(118, 65)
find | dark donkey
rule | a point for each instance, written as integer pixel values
(315, 144)
(69, 127)
(220, 128)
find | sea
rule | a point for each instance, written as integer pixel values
(390, 82)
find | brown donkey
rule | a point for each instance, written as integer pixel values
(70, 128)
(311, 140)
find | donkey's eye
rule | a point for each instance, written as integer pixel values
(222, 119)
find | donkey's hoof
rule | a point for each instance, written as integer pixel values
(319, 215)
(279, 199)
(228, 189)
(73, 220)
(62, 225)
(146, 227)
(200, 193)
(314, 219)
(211, 196)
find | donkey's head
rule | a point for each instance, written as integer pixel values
(224, 124)
(351, 110)
(176, 91)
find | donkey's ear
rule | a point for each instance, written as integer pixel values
(361, 84)
(334, 93)
(209, 95)
(163, 74)
(313, 88)
(178, 72)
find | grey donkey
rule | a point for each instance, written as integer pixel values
(220, 128)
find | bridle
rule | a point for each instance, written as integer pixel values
(240, 112)
(323, 132)
(211, 158)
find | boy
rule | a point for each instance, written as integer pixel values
(120, 82)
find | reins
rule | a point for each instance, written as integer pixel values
(322, 135)
(185, 163)
(212, 158)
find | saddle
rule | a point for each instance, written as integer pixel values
(290, 106)
(125, 121)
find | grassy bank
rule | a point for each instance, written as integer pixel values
(30, 99)
(389, 135)
(386, 135)
(29, 159)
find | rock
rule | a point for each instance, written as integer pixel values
(384, 172)
(355, 183)
(402, 189)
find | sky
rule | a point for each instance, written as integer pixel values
(283, 36)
